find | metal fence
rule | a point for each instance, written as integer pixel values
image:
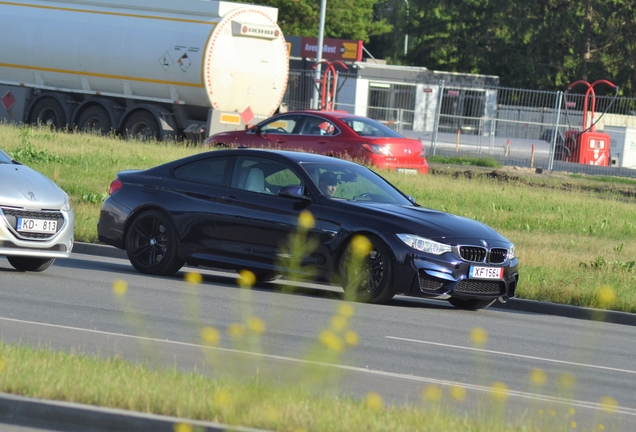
(515, 126)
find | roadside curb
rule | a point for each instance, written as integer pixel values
(518, 305)
(70, 416)
(568, 311)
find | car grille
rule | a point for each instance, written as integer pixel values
(481, 254)
(12, 215)
(480, 287)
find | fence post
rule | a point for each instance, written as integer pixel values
(555, 133)
(480, 131)
(399, 120)
(457, 140)
(493, 124)
(532, 157)
(437, 115)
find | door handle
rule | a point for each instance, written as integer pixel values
(230, 198)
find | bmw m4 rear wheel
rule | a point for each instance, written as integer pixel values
(470, 304)
(29, 263)
(367, 275)
(151, 244)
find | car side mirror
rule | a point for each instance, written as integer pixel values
(410, 198)
(254, 128)
(293, 191)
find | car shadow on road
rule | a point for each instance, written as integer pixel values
(229, 279)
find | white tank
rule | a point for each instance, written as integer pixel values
(221, 55)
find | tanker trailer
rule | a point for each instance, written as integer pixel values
(144, 68)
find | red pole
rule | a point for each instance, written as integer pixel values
(508, 147)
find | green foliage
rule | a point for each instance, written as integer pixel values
(601, 263)
(27, 154)
(344, 19)
(544, 44)
(94, 198)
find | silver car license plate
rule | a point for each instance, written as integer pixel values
(37, 225)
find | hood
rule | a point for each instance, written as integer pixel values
(436, 225)
(22, 186)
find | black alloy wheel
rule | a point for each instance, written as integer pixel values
(470, 304)
(30, 264)
(370, 278)
(151, 244)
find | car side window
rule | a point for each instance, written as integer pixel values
(262, 175)
(282, 124)
(317, 126)
(205, 171)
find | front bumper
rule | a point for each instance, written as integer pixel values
(57, 245)
(447, 276)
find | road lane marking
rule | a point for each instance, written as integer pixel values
(475, 387)
(513, 355)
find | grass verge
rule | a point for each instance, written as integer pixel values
(254, 402)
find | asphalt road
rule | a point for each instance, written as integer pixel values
(404, 347)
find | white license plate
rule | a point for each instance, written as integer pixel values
(486, 272)
(37, 225)
(407, 170)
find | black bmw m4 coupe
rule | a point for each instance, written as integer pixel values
(239, 209)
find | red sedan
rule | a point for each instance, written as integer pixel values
(335, 134)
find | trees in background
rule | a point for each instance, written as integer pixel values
(538, 44)
(345, 19)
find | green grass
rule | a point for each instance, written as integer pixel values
(464, 161)
(608, 179)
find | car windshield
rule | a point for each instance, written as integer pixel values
(4, 158)
(353, 183)
(369, 128)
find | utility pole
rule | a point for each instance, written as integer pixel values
(406, 35)
(321, 38)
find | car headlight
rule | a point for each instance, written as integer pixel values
(67, 204)
(424, 244)
(511, 252)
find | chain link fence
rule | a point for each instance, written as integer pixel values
(519, 127)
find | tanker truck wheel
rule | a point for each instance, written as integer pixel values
(142, 126)
(48, 112)
(95, 120)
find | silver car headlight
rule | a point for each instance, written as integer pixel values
(511, 252)
(67, 204)
(424, 244)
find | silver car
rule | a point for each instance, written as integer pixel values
(36, 220)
